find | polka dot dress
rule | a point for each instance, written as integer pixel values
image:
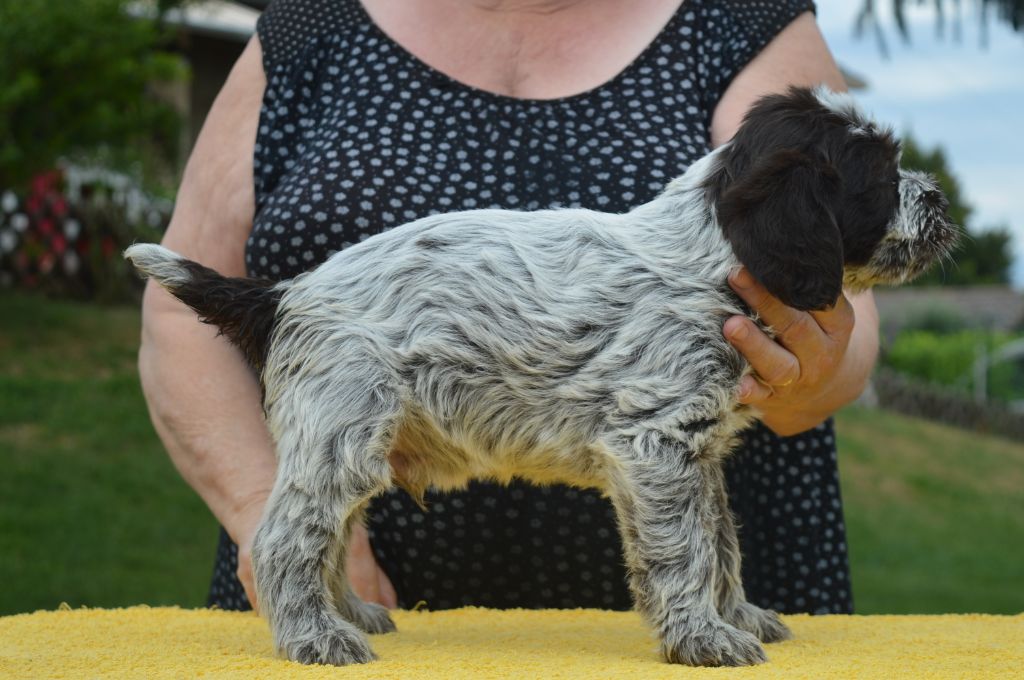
(357, 136)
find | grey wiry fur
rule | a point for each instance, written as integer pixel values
(564, 345)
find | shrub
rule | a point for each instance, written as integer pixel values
(65, 235)
(937, 318)
(949, 359)
(76, 81)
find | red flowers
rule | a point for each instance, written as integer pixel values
(65, 235)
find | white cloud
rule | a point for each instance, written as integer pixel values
(942, 77)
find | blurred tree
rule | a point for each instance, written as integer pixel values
(983, 257)
(1011, 11)
(75, 79)
(1008, 11)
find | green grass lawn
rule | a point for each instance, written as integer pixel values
(935, 515)
(93, 513)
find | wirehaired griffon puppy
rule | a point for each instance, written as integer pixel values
(559, 345)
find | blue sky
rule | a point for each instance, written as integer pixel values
(961, 95)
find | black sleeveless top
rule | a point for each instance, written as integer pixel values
(357, 135)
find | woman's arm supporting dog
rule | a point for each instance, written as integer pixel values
(203, 399)
(823, 360)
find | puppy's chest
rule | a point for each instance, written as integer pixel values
(429, 454)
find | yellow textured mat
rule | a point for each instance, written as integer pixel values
(479, 643)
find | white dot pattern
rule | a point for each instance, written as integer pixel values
(357, 136)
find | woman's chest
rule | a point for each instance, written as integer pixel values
(364, 137)
(377, 168)
(532, 49)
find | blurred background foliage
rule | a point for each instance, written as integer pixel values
(949, 19)
(89, 142)
(79, 80)
(949, 358)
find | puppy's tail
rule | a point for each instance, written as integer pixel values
(243, 309)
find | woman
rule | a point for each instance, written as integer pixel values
(364, 115)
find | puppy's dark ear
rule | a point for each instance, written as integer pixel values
(779, 220)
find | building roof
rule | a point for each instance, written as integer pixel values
(218, 18)
(994, 307)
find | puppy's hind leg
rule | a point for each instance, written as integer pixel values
(667, 516)
(332, 460)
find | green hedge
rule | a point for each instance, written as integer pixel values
(948, 359)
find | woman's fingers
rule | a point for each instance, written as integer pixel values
(817, 340)
(388, 597)
(776, 367)
(244, 573)
(837, 322)
(753, 392)
(798, 331)
(361, 567)
(365, 576)
(796, 365)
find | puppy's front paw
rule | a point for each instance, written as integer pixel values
(764, 623)
(338, 647)
(713, 644)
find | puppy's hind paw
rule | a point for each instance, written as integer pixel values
(339, 647)
(372, 618)
(764, 623)
(714, 645)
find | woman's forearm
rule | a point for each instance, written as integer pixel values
(205, 405)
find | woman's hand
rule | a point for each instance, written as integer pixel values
(244, 572)
(242, 529)
(817, 362)
(366, 577)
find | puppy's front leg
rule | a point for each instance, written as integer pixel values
(668, 518)
(368, 616)
(731, 600)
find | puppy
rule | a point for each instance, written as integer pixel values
(559, 345)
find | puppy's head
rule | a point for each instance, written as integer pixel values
(810, 195)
